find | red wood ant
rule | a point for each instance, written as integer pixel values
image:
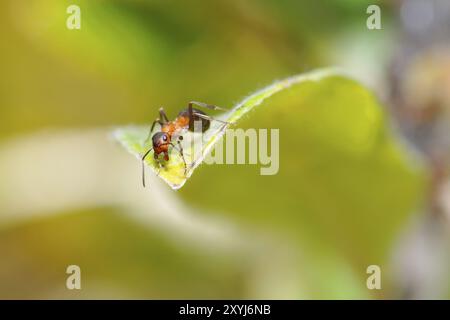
(172, 131)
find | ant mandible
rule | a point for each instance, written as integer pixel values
(173, 130)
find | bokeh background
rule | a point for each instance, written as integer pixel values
(363, 163)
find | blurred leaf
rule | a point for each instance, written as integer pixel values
(135, 139)
(346, 185)
(119, 259)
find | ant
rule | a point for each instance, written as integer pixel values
(173, 130)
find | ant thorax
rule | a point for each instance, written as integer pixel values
(172, 129)
(179, 133)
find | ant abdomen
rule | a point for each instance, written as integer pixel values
(205, 122)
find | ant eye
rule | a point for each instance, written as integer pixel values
(164, 137)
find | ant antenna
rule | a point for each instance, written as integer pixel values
(143, 166)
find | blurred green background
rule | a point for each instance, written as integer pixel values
(349, 192)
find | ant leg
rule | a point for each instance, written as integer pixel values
(205, 105)
(181, 153)
(160, 165)
(152, 127)
(204, 116)
(180, 138)
(159, 168)
(201, 104)
(182, 156)
(162, 115)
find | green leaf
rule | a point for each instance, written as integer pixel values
(134, 138)
(345, 188)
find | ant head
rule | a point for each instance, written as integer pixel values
(160, 139)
